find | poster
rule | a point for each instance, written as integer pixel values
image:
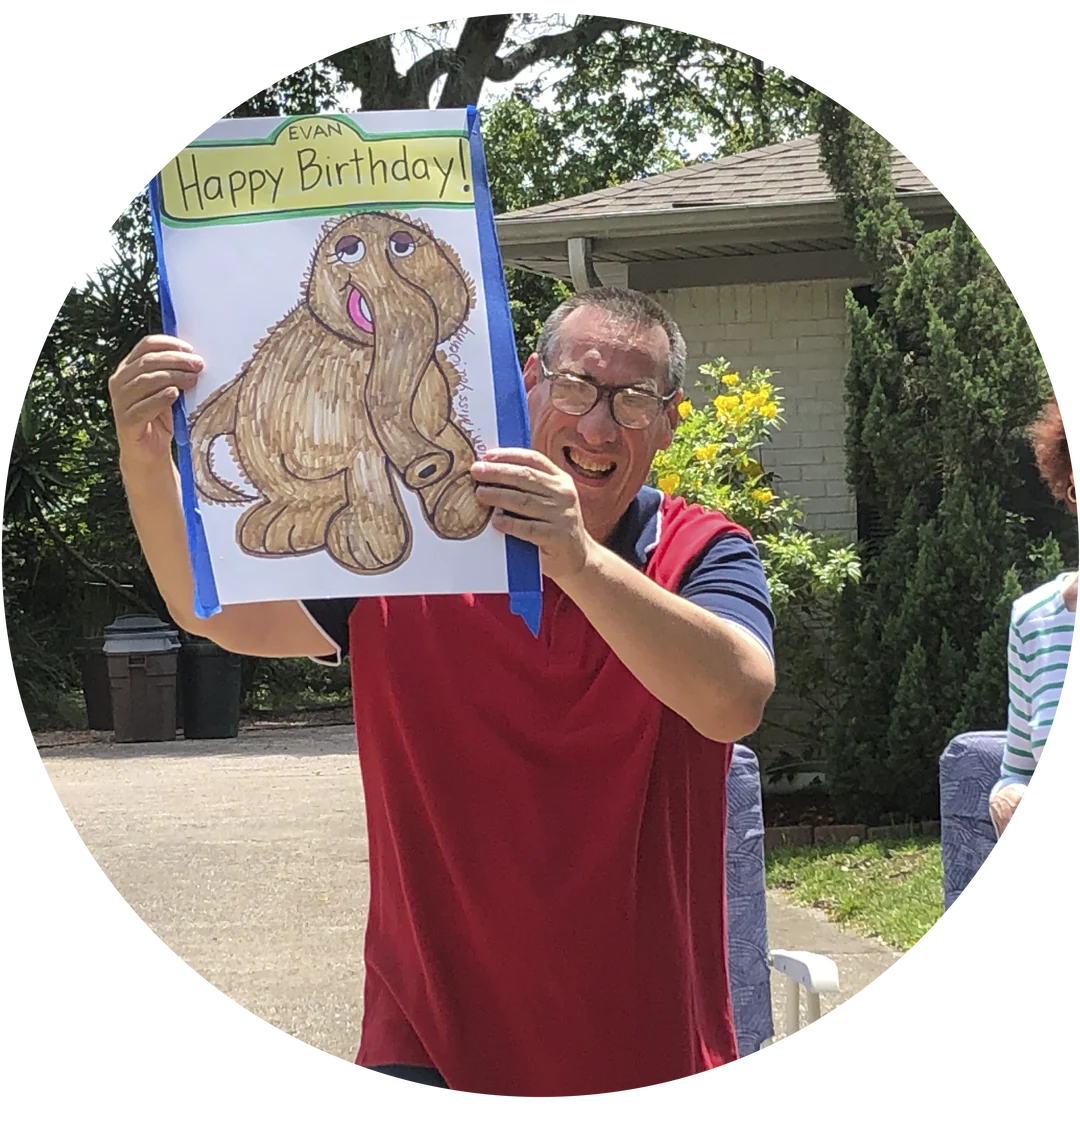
(340, 276)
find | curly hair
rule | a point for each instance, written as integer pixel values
(1051, 448)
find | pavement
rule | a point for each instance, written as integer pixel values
(248, 858)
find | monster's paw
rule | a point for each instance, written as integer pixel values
(369, 543)
(276, 528)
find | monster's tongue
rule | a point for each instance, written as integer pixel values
(359, 311)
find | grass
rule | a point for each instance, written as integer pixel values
(889, 890)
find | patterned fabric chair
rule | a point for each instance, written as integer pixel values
(969, 768)
(749, 958)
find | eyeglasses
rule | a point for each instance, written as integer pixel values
(630, 407)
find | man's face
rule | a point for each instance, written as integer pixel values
(608, 463)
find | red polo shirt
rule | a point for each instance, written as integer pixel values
(547, 846)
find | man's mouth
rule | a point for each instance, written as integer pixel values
(358, 310)
(589, 467)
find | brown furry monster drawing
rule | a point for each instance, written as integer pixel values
(346, 394)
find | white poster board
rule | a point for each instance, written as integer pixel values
(339, 275)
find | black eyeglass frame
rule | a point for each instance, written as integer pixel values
(609, 393)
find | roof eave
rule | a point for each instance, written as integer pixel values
(663, 223)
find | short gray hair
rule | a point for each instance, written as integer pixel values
(629, 306)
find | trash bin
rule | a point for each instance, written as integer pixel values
(141, 654)
(209, 689)
(94, 668)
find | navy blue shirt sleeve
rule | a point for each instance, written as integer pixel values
(727, 578)
(332, 614)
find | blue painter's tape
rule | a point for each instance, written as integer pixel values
(522, 558)
(206, 595)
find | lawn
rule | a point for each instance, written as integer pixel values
(889, 890)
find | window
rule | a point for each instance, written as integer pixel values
(870, 527)
(866, 297)
(871, 530)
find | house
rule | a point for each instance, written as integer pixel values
(751, 256)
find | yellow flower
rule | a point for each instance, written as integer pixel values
(730, 379)
(761, 495)
(706, 452)
(754, 400)
(726, 404)
(668, 483)
(685, 409)
(769, 410)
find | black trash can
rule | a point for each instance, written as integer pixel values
(141, 655)
(209, 689)
(97, 692)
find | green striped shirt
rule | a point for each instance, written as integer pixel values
(1040, 638)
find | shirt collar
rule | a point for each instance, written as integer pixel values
(638, 532)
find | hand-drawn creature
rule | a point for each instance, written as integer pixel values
(348, 392)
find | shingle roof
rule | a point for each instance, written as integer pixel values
(784, 173)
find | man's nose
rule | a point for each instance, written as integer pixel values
(598, 426)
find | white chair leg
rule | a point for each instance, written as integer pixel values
(791, 1022)
(813, 1007)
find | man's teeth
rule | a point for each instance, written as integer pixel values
(597, 467)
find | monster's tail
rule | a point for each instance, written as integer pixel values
(216, 416)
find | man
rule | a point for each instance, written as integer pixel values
(546, 816)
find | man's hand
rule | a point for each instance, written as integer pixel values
(536, 501)
(1003, 805)
(143, 390)
(715, 675)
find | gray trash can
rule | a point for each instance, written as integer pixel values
(94, 669)
(141, 653)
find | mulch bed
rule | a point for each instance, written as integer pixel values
(808, 807)
(316, 717)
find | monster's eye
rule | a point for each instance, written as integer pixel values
(402, 244)
(349, 249)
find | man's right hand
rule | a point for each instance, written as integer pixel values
(1003, 805)
(143, 390)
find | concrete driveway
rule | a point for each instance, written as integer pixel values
(248, 858)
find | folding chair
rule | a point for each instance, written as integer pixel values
(749, 958)
(968, 769)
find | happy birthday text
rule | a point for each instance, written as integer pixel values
(314, 165)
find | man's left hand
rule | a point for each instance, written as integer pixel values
(536, 501)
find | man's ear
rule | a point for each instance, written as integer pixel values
(530, 373)
(671, 418)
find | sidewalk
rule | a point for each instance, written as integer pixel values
(248, 857)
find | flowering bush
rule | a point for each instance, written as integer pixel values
(716, 459)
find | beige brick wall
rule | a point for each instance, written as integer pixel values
(800, 331)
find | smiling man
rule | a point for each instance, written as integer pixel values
(546, 816)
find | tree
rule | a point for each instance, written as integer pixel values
(943, 379)
(626, 106)
(371, 69)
